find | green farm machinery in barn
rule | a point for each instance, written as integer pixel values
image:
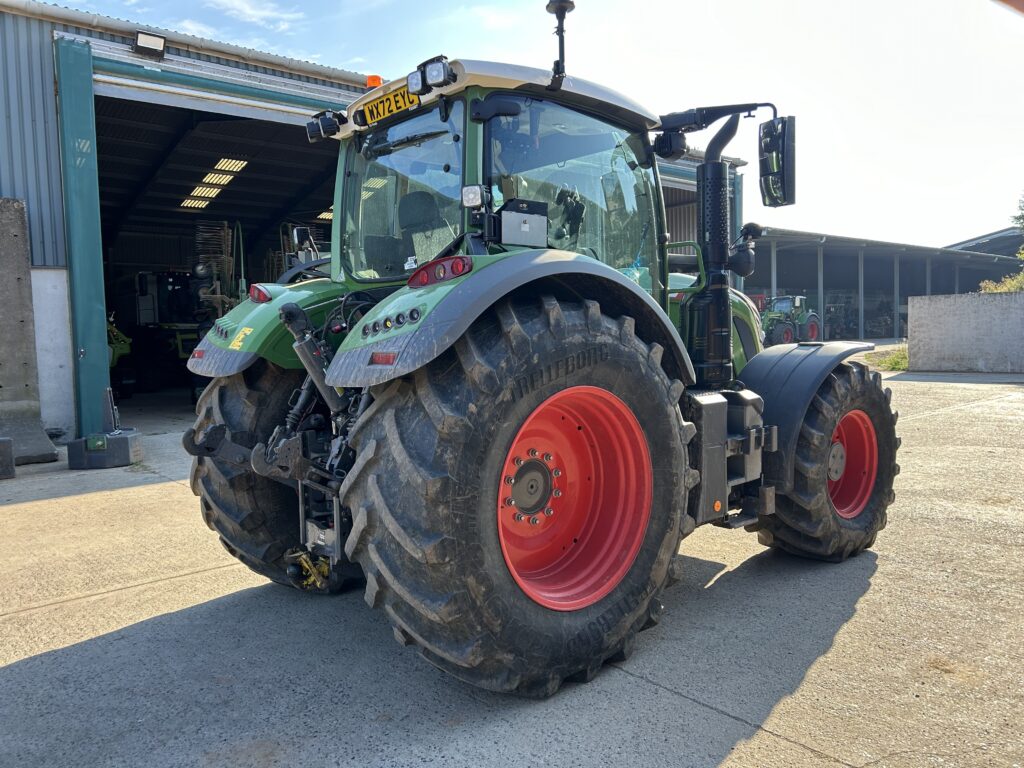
(788, 318)
(514, 397)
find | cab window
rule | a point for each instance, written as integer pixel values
(592, 175)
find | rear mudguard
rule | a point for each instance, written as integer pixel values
(787, 376)
(445, 310)
(251, 331)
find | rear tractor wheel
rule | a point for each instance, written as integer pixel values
(517, 503)
(844, 470)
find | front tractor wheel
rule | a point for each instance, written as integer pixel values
(517, 503)
(844, 469)
(256, 518)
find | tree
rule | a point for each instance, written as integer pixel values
(1010, 283)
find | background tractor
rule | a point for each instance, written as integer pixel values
(513, 397)
(788, 318)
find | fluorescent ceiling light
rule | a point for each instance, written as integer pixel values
(217, 178)
(227, 164)
(190, 203)
(326, 216)
(205, 192)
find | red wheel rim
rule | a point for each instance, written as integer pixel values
(573, 518)
(787, 335)
(852, 464)
(812, 331)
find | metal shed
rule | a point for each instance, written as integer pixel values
(104, 142)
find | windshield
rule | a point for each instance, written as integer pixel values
(401, 198)
(592, 176)
(783, 305)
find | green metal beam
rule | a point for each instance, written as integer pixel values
(76, 111)
(197, 82)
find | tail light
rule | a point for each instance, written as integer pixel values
(258, 294)
(439, 270)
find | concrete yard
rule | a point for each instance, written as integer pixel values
(129, 637)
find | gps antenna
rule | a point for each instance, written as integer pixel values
(559, 8)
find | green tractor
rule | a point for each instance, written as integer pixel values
(513, 397)
(788, 318)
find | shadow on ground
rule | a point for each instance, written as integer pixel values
(267, 676)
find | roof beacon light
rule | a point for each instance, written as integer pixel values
(374, 81)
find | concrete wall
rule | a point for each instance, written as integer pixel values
(53, 352)
(970, 332)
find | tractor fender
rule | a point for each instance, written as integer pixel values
(251, 331)
(786, 377)
(559, 272)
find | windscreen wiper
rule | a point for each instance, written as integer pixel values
(371, 150)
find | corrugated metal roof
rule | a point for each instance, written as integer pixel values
(797, 237)
(112, 28)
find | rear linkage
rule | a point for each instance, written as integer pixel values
(309, 451)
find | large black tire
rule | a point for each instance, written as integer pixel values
(426, 481)
(806, 521)
(784, 332)
(256, 518)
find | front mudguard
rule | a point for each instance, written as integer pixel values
(251, 331)
(447, 310)
(787, 376)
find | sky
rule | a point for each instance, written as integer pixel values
(909, 114)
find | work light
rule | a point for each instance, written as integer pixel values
(415, 83)
(438, 72)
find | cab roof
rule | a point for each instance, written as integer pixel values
(491, 74)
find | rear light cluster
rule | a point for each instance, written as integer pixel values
(439, 270)
(258, 294)
(389, 322)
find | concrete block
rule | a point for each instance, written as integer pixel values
(6, 458)
(968, 332)
(19, 379)
(103, 451)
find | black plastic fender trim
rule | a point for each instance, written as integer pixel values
(210, 360)
(787, 376)
(452, 317)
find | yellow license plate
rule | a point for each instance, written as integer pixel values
(390, 104)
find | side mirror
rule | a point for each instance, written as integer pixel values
(777, 156)
(300, 236)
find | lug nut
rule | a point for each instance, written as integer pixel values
(509, 479)
(549, 512)
(510, 502)
(556, 493)
(547, 457)
(533, 453)
(518, 517)
(556, 472)
(534, 520)
(517, 461)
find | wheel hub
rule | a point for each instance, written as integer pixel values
(531, 487)
(575, 498)
(836, 461)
